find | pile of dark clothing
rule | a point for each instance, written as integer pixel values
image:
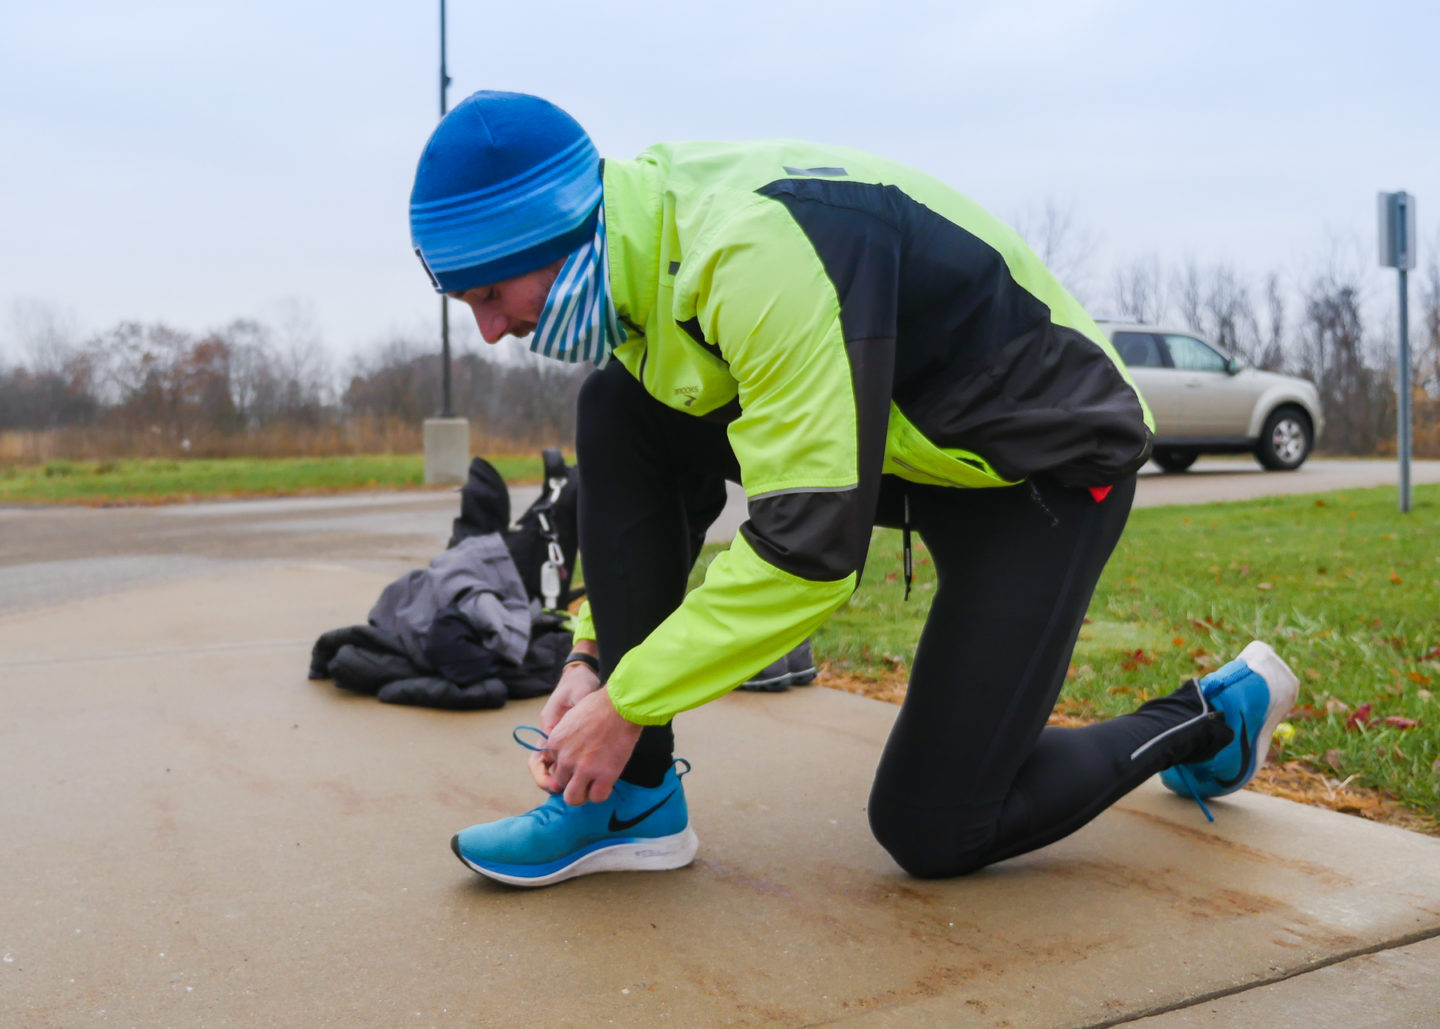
(485, 622)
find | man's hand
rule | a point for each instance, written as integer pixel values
(577, 682)
(588, 749)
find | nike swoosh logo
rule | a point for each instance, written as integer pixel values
(1244, 757)
(617, 823)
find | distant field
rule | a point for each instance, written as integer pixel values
(166, 481)
(1341, 584)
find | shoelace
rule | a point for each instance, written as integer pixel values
(1181, 770)
(1189, 782)
(515, 735)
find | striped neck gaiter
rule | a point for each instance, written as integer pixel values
(579, 322)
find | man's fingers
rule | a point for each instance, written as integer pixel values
(551, 714)
(575, 791)
(542, 771)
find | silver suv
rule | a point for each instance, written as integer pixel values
(1207, 402)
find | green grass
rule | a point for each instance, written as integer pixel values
(1344, 587)
(132, 481)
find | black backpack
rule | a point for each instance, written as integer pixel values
(543, 542)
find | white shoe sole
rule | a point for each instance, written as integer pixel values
(657, 855)
(1284, 689)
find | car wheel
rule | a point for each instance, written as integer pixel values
(1285, 440)
(1174, 460)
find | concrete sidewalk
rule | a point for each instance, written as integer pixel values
(197, 836)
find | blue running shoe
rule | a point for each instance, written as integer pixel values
(1253, 693)
(635, 829)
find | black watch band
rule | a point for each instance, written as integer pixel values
(585, 659)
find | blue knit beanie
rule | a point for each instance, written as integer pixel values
(507, 183)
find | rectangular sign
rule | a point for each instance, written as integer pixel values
(1397, 230)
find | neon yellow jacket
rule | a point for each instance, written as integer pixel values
(848, 318)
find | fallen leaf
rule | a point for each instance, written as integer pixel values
(1396, 722)
(1178, 641)
(1305, 713)
(1263, 586)
(1134, 659)
(1395, 579)
(1334, 705)
(1334, 758)
(1360, 717)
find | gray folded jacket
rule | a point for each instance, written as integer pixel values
(479, 577)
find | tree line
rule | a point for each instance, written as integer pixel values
(249, 388)
(253, 388)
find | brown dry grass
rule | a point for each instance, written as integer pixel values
(1291, 780)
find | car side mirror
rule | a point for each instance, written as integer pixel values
(1233, 365)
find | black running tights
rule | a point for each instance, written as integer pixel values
(971, 774)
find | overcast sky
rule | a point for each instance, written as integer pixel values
(197, 162)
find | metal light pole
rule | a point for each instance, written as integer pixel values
(446, 411)
(447, 438)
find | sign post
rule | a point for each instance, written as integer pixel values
(1397, 250)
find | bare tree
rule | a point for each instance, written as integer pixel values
(1067, 248)
(46, 334)
(1352, 376)
(1428, 352)
(1272, 356)
(1426, 410)
(1138, 290)
(304, 367)
(1228, 316)
(254, 375)
(1188, 294)
(55, 387)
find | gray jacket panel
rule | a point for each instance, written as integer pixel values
(480, 575)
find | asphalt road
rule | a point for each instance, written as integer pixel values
(49, 555)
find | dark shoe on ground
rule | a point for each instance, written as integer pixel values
(796, 668)
(800, 663)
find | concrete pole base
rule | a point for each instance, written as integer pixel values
(447, 449)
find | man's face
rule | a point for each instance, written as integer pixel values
(511, 307)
